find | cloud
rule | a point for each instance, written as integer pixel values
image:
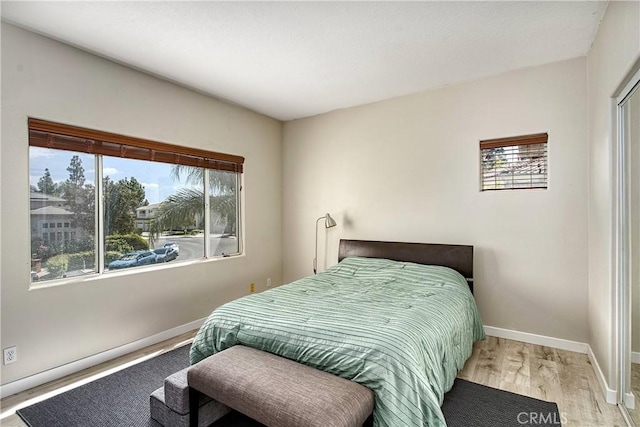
(152, 191)
(38, 152)
(110, 171)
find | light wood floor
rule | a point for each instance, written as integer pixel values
(635, 388)
(564, 377)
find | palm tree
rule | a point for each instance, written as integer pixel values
(186, 205)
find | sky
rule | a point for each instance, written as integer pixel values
(155, 177)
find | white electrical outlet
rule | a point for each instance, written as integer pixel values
(10, 355)
(269, 282)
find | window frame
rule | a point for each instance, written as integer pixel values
(46, 134)
(515, 141)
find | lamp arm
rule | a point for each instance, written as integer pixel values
(315, 258)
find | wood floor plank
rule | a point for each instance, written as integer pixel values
(578, 397)
(488, 369)
(516, 374)
(13, 421)
(542, 352)
(602, 410)
(470, 365)
(545, 382)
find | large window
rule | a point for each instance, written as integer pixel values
(514, 163)
(102, 202)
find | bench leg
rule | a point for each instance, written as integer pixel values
(194, 399)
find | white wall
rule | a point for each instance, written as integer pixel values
(616, 46)
(407, 169)
(45, 79)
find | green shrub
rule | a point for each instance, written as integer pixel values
(84, 260)
(111, 256)
(86, 244)
(57, 265)
(81, 260)
(117, 244)
(135, 241)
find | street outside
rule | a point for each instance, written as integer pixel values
(191, 247)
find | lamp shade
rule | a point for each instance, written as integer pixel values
(329, 222)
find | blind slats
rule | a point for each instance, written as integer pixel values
(72, 138)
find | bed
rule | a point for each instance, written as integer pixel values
(399, 318)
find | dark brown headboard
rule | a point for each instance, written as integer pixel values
(457, 257)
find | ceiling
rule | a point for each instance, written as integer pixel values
(290, 60)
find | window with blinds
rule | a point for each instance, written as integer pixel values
(102, 202)
(513, 163)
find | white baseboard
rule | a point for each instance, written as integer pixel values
(562, 344)
(630, 400)
(73, 367)
(610, 395)
(635, 357)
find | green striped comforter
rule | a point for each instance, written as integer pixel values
(404, 330)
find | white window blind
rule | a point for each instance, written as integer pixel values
(514, 163)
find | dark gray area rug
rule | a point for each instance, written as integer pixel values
(469, 404)
(119, 399)
(122, 400)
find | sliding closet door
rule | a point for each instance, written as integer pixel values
(632, 116)
(629, 283)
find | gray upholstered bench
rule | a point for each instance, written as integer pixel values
(278, 392)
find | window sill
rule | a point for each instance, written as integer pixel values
(97, 277)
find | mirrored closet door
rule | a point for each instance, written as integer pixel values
(629, 292)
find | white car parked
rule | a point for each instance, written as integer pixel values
(172, 245)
